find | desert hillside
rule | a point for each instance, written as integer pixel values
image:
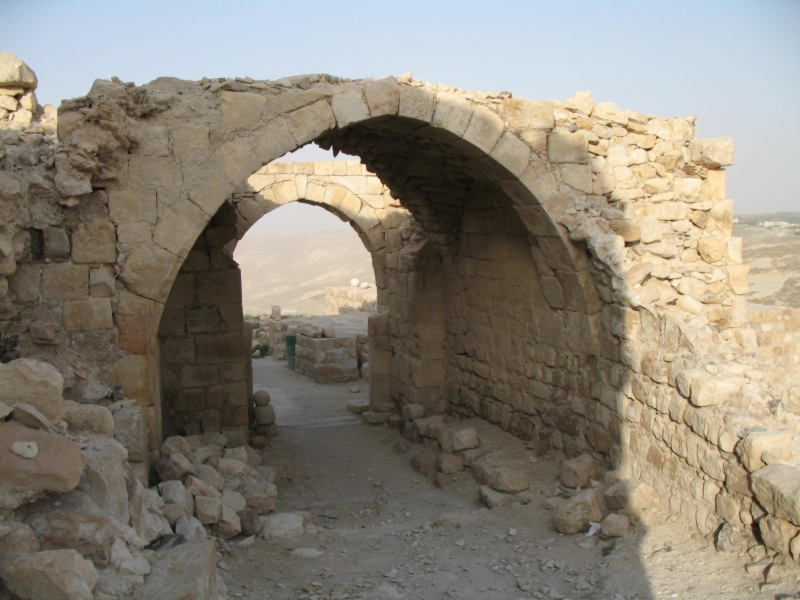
(292, 270)
(771, 246)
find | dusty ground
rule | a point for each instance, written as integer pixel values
(386, 532)
(774, 258)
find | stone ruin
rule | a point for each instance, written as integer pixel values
(563, 269)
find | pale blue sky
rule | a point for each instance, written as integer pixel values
(735, 64)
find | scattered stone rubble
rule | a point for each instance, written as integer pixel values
(79, 522)
(563, 269)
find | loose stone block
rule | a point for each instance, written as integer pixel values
(449, 463)
(615, 525)
(752, 447)
(492, 498)
(631, 495)
(507, 481)
(56, 467)
(51, 574)
(777, 489)
(577, 512)
(207, 510)
(465, 439)
(33, 382)
(708, 390)
(579, 471)
(777, 533)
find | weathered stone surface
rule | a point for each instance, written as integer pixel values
(207, 509)
(777, 489)
(175, 466)
(30, 417)
(777, 533)
(250, 521)
(56, 467)
(176, 445)
(577, 512)
(33, 382)
(94, 242)
(71, 520)
(228, 524)
(752, 447)
(565, 147)
(615, 525)
(631, 496)
(708, 390)
(449, 464)
(579, 471)
(282, 526)
(169, 578)
(103, 477)
(176, 493)
(465, 439)
(413, 411)
(130, 430)
(87, 419)
(89, 314)
(265, 415)
(52, 574)
(261, 398)
(492, 498)
(260, 496)
(15, 73)
(507, 481)
(191, 529)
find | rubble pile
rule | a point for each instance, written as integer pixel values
(78, 521)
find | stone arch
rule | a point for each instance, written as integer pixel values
(454, 159)
(205, 363)
(592, 289)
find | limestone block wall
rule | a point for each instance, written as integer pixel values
(343, 299)
(327, 360)
(777, 333)
(615, 329)
(205, 351)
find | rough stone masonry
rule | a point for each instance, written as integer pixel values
(563, 269)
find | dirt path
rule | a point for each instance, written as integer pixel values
(384, 531)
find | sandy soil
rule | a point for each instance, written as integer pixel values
(774, 258)
(385, 531)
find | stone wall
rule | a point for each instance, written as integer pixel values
(777, 335)
(204, 347)
(569, 270)
(342, 299)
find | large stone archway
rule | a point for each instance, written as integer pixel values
(573, 278)
(205, 348)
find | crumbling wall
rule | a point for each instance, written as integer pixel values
(627, 223)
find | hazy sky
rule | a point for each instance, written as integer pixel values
(733, 64)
